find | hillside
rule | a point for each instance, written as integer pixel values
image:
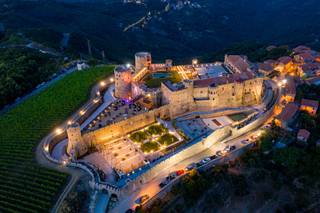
(166, 28)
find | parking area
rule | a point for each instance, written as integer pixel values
(115, 112)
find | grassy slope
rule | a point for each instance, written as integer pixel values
(24, 185)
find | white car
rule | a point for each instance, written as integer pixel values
(205, 160)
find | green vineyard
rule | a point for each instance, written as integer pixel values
(24, 185)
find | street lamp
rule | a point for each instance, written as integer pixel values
(128, 65)
(46, 148)
(69, 122)
(284, 81)
(82, 112)
(111, 80)
(102, 83)
(194, 61)
(58, 131)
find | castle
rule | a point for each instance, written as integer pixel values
(240, 87)
(236, 86)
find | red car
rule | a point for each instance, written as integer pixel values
(180, 172)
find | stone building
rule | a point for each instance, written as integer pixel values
(142, 59)
(208, 94)
(76, 146)
(123, 80)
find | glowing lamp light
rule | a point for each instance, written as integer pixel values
(102, 83)
(279, 84)
(149, 95)
(128, 65)
(194, 61)
(82, 112)
(58, 131)
(284, 81)
(69, 122)
(46, 148)
(111, 80)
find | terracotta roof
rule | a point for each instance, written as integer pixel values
(270, 61)
(306, 56)
(288, 112)
(265, 67)
(303, 133)
(312, 103)
(285, 59)
(310, 66)
(239, 62)
(216, 81)
(301, 49)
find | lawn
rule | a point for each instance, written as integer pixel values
(24, 185)
(156, 129)
(156, 82)
(167, 139)
(239, 116)
(138, 136)
(150, 146)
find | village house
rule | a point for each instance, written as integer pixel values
(284, 64)
(287, 116)
(265, 68)
(303, 135)
(290, 90)
(301, 49)
(310, 106)
(237, 63)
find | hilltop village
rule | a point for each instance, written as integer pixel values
(156, 121)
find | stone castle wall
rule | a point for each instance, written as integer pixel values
(236, 94)
(124, 127)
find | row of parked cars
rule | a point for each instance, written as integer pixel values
(191, 166)
(205, 160)
(171, 177)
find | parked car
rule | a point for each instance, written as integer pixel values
(205, 160)
(142, 199)
(213, 157)
(233, 147)
(164, 183)
(191, 166)
(227, 148)
(219, 153)
(172, 176)
(180, 172)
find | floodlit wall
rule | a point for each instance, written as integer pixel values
(124, 127)
(236, 94)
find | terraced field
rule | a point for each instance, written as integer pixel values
(24, 185)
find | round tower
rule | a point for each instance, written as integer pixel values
(123, 80)
(76, 146)
(142, 59)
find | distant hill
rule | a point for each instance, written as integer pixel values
(172, 28)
